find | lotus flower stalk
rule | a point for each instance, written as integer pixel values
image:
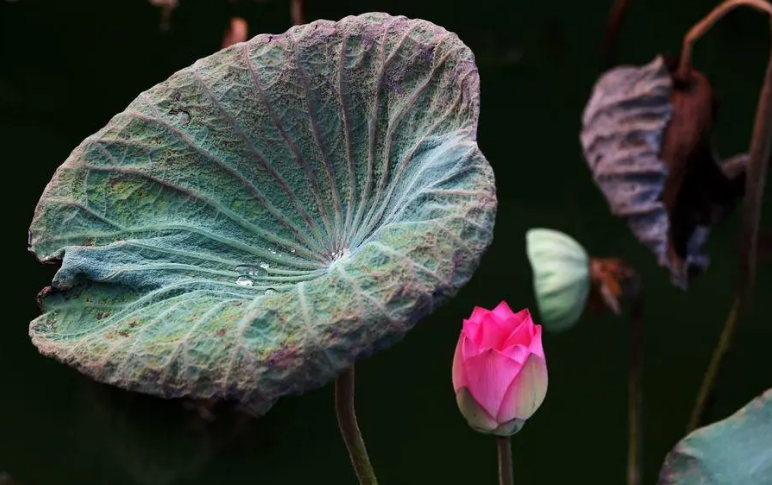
(504, 451)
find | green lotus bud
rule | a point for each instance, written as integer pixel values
(561, 277)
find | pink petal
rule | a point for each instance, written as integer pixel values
(470, 329)
(526, 392)
(502, 312)
(478, 313)
(522, 317)
(489, 375)
(520, 336)
(472, 324)
(517, 352)
(536, 346)
(459, 376)
(469, 348)
(493, 333)
(523, 330)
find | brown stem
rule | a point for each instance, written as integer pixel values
(704, 25)
(616, 16)
(504, 448)
(347, 421)
(166, 15)
(634, 290)
(611, 279)
(296, 11)
(758, 154)
(238, 31)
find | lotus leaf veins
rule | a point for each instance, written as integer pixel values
(262, 219)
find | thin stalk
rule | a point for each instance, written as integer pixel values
(347, 421)
(635, 382)
(296, 11)
(504, 448)
(238, 31)
(704, 25)
(612, 279)
(616, 16)
(759, 154)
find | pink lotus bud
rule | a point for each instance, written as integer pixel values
(499, 370)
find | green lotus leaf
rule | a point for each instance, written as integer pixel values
(262, 219)
(735, 451)
(561, 277)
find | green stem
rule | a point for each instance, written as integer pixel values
(759, 154)
(504, 445)
(347, 421)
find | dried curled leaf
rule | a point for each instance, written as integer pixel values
(254, 224)
(648, 142)
(623, 126)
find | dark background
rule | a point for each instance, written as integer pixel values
(66, 66)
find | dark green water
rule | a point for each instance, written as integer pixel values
(66, 67)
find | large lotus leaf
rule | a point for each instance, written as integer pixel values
(561, 277)
(735, 451)
(254, 224)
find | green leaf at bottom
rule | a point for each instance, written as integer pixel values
(735, 451)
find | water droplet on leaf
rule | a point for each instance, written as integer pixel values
(251, 271)
(244, 281)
